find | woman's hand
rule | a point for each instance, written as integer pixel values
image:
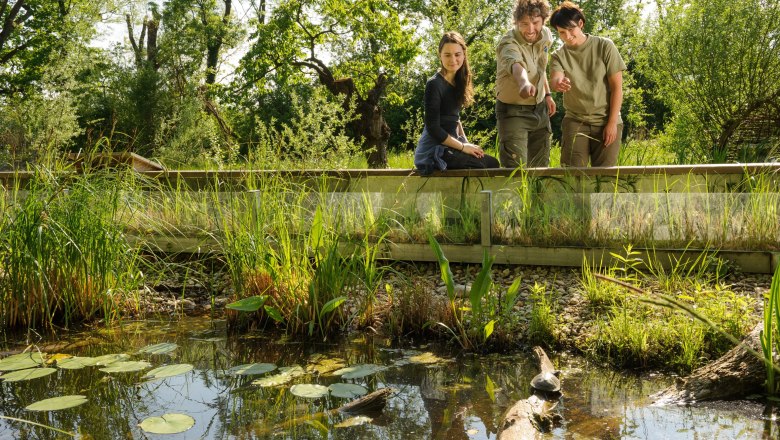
(474, 150)
(562, 84)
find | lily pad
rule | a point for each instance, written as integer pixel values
(358, 371)
(347, 390)
(29, 374)
(168, 371)
(167, 424)
(108, 359)
(309, 391)
(250, 369)
(57, 403)
(161, 348)
(285, 375)
(426, 359)
(21, 361)
(126, 367)
(322, 365)
(76, 362)
(353, 421)
(57, 357)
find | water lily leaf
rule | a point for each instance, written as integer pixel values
(161, 348)
(323, 365)
(168, 371)
(167, 424)
(358, 371)
(108, 359)
(57, 357)
(285, 375)
(426, 358)
(309, 391)
(21, 361)
(31, 373)
(76, 362)
(251, 304)
(347, 390)
(57, 403)
(353, 421)
(250, 369)
(126, 367)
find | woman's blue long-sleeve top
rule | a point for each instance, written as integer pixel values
(442, 113)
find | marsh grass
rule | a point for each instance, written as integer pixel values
(63, 254)
(284, 243)
(541, 326)
(630, 332)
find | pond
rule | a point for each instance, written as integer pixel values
(438, 394)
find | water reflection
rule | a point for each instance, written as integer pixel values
(460, 399)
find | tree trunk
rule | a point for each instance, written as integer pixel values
(370, 128)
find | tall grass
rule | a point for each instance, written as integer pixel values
(63, 254)
(283, 244)
(630, 332)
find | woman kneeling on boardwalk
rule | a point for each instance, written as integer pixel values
(443, 144)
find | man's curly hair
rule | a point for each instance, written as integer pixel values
(532, 8)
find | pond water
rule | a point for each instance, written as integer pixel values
(460, 397)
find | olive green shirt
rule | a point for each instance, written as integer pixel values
(511, 49)
(588, 66)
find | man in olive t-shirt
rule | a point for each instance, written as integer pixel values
(588, 70)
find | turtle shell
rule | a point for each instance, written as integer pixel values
(547, 382)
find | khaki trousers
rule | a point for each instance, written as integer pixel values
(523, 134)
(582, 142)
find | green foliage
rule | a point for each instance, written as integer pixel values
(541, 326)
(716, 63)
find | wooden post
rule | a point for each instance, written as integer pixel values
(486, 221)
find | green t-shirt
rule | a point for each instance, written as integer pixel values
(588, 66)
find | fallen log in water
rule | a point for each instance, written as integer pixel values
(530, 418)
(738, 373)
(371, 403)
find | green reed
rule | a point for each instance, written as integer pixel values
(63, 254)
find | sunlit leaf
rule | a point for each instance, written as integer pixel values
(168, 371)
(426, 358)
(57, 357)
(274, 313)
(353, 421)
(250, 369)
(126, 367)
(332, 305)
(358, 371)
(251, 304)
(347, 390)
(167, 424)
(161, 348)
(57, 403)
(21, 361)
(285, 375)
(76, 362)
(309, 391)
(108, 359)
(322, 365)
(489, 328)
(31, 373)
